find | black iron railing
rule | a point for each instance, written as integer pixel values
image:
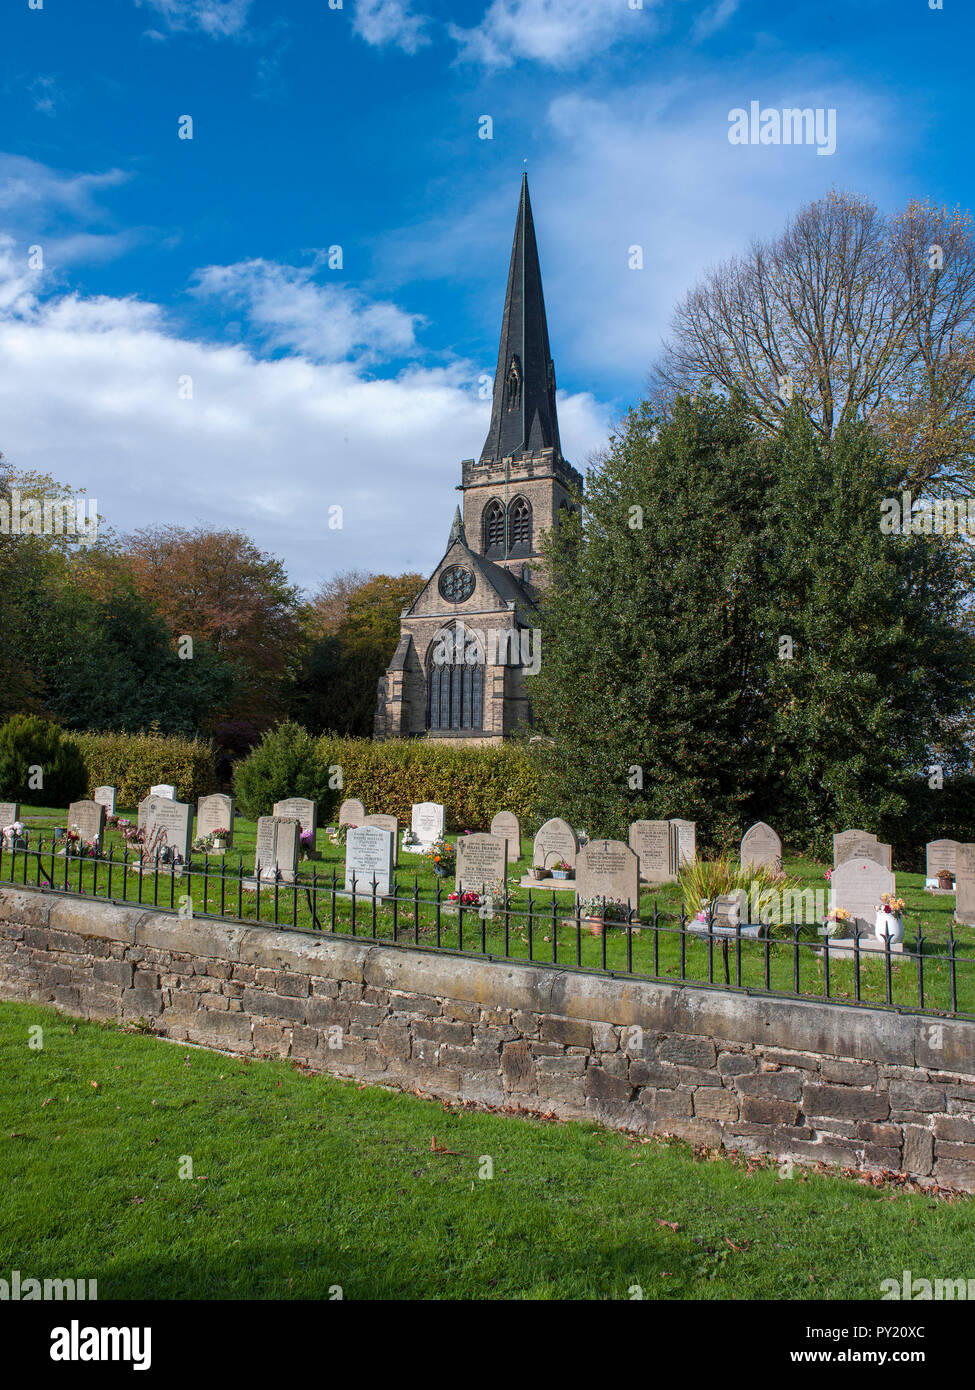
(935, 976)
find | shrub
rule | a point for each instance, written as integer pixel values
(472, 784)
(287, 762)
(700, 881)
(26, 742)
(132, 763)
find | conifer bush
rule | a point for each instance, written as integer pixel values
(39, 763)
(287, 762)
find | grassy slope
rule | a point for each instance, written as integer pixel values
(303, 1182)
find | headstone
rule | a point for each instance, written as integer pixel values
(305, 812)
(686, 840)
(391, 824)
(215, 812)
(105, 796)
(164, 789)
(482, 861)
(506, 824)
(9, 813)
(169, 823)
(88, 818)
(608, 869)
(655, 844)
(761, 848)
(427, 822)
(965, 885)
(940, 855)
(145, 807)
(369, 857)
(860, 844)
(276, 851)
(857, 884)
(352, 812)
(555, 840)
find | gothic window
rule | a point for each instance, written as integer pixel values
(456, 584)
(494, 528)
(456, 685)
(514, 384)
(520, 526)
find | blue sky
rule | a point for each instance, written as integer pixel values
(314, 127)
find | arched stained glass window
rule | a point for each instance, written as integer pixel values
(456, 687)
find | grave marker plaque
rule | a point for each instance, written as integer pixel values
(965, 885)
(216, 812)
(940, 855)
(369, 858)
(686, 840)
(506, 824)
(482, 861)
(169, 823)
(655, 844)
(105, 796)
(164, 789)
(608, 869)
(555, 840)
(761, 848)
(9, 812)
(427, 822)
(88, 818)
(276, 851)
(857, 884)
(352, 812)
(391, 824)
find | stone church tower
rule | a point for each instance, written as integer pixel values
(467, 641)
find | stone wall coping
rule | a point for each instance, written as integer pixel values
(826, 1027)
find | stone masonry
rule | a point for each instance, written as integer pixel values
(870, 1089)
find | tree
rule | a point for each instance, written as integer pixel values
(287, 762)
(218, 588)
(355, 625)
(39, 763)
(847, 310)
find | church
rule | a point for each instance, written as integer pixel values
(459, 669)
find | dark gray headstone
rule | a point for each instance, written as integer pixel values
(88, 818)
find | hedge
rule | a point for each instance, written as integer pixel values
(473, 784)
(132, 763)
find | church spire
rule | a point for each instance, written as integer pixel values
(457, 532)
(523, 417)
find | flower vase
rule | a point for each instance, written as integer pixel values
(887, 924)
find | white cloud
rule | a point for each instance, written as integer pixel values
(220, 19)
(559, 33)
(382, 22)
(89, 391)
(715, 17)
(328, 323)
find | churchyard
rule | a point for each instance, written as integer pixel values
(597, 906)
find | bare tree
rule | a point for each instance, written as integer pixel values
(847, 309)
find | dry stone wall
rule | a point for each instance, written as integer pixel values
(866, 1088)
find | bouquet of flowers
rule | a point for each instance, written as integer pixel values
(442, 856)
(465, 899)
(609, 909)
(890, 903)
(839, 922)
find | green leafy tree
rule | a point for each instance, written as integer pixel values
(39, 763)
(287, 762)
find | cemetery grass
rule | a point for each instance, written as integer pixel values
(302, 1182)
(549, 937)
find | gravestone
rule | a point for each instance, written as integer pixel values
(105, 796)
(939, 855)
(9, 813)
(555, 840)
(369, 857)
(482, 861)
(860, 844)
(143, 810)
(276, 851)
(352, 812)
(761, 848)
(427, 822)
(965, 885)
(88, 818)
(857, 884)
(391, 824)
(686, 840)
(305, 812)
(655, 844)
(608, 869)
(168, 823)
(164, 789)
(215, 812)
(506, 824)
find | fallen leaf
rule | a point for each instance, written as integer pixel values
(671, 1225)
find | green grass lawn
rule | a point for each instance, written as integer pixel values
(304, 1182)
(549, 936)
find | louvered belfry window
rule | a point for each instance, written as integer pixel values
(494, 529)
(520, 524)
